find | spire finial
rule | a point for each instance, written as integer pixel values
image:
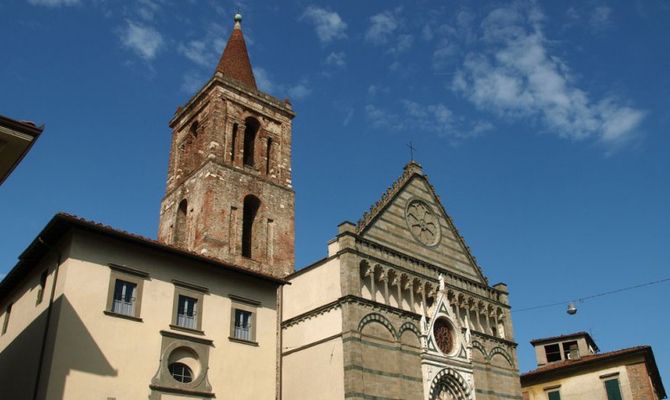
(238, 19)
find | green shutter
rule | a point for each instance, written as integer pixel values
(555, 395)
(613, 391)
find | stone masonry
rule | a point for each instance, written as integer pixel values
(229, 193)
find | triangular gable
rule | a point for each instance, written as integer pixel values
(410, 219)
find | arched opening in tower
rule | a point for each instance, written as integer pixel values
(180, 224)
(250, 133)
(251, 206)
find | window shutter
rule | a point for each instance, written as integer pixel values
(613, 391)
(555, 395)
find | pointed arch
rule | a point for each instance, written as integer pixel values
(180, 230)
(450, 381)
(251, 129)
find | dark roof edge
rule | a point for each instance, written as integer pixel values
(588, 336)
(63, 222)
(21, 126)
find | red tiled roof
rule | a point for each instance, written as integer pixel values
(563, 367)
(234, 61)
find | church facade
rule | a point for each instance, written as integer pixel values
(399, 309)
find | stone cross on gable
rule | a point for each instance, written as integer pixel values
(411, 151)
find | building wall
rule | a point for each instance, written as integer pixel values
(315, 372)
(640, 382)
(114, 357)
(495, 368)
(585, 384)
(382, 353)
(21, 345)
(312, 289)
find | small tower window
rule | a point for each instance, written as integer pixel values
(180, 223)
(250, 132)
(233, 142)
(251, 206)
(194, 129)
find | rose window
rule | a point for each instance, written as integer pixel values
(423, 223)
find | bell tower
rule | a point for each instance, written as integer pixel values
(229, 194)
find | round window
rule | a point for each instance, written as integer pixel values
(422, 222)
(444, 335)
(181, 372)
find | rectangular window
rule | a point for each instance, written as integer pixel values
(124, 298)
(243, 320)
(553, 352)
(5, 324)
(187, 312)
(554, 395)
(613, 389)
(125, 292)
(568, 347)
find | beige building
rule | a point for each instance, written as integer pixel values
(571, 367)
(398, 310)
(16, 139)
(92, 312)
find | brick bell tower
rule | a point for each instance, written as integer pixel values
(229, 193)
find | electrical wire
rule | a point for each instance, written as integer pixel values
(593, 296)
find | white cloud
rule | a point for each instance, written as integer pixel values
(143, 40)
(385, 30)
(147, 9)
(196, 51)
(601, 17)
(431, 118)
(328, 24)
(381, 28)
(299, 91)
(374, 90)
(517, 76)
(265, 83)
(206, 51)
(263, 80)
(404, 43)
(54, 3)
(192, 82)
(349, 115)
(338, 59)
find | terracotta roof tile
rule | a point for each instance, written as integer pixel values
(234, 62)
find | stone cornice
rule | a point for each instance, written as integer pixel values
(220, 79)
(346, 300)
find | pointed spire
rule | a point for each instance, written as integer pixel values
(234, 62)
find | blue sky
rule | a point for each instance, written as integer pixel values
(542, 125)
